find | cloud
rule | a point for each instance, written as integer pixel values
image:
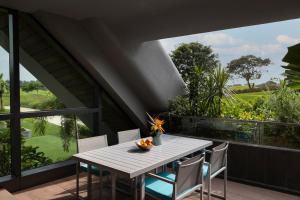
(261, 49)
(284, 39)
(218, 39)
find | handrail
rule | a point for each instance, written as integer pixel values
(237, 120)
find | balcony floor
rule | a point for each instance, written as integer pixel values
(64, 189)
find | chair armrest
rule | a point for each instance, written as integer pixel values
(207, 151)
(160, 178)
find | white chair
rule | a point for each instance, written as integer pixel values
(129, 135)
(89, 144)
(216, 165)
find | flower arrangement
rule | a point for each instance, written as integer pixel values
(156, 125)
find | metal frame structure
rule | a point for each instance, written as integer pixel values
(178, 183)
(17, 179)
(216, 165)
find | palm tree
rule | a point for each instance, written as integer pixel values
(221, 78)
(216, 88)
(292, 69)
(3, 88)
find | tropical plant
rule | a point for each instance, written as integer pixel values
(248, 67)
(3, 89)
(205, 94)
(292, 70)
(285, 104)
(180, 106)
(39, 126)
(68, 130)
(220, 87)
(31, 157)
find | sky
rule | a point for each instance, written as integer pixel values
(4, 67)
(267, 41)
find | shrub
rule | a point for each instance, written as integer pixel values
(30, 157)
(285, 104)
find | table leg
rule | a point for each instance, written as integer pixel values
(113, 186)
(142, 187)
(135, 188)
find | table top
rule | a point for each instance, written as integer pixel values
(127, 159)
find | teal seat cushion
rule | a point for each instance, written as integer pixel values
(205, 169)
(160, 189)
(94, 169)
(168, 175)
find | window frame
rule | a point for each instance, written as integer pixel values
(17, 179)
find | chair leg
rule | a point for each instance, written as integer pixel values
(77, 179)
(201, 192)
(225, 184)
(209, 188)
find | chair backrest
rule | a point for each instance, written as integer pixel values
(129, 135)
(92, 143)
(218, 157)
(189, 174)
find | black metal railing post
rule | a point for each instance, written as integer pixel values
(14, 71)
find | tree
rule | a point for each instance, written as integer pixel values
(186, 57)
(3, 88)
(32, 85)
(204, 98)
(248, 67)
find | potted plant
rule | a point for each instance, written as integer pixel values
(156, 129)
(26, 133)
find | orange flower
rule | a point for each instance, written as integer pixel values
(156, 124)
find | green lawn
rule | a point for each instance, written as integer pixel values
(52, 147)
(50, 143)
(30, 99)
(51, 129)
(239, 87)
(252, 96)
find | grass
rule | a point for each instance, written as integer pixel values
(50, 143)
(239, 87)
(51, 129)
(30, 99)
(252, 96)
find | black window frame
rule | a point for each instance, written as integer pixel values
(17, 179)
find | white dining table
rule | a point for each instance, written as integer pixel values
(128, 160)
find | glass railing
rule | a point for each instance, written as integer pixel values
(278, 134)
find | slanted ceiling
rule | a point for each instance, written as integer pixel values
(154, 19)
